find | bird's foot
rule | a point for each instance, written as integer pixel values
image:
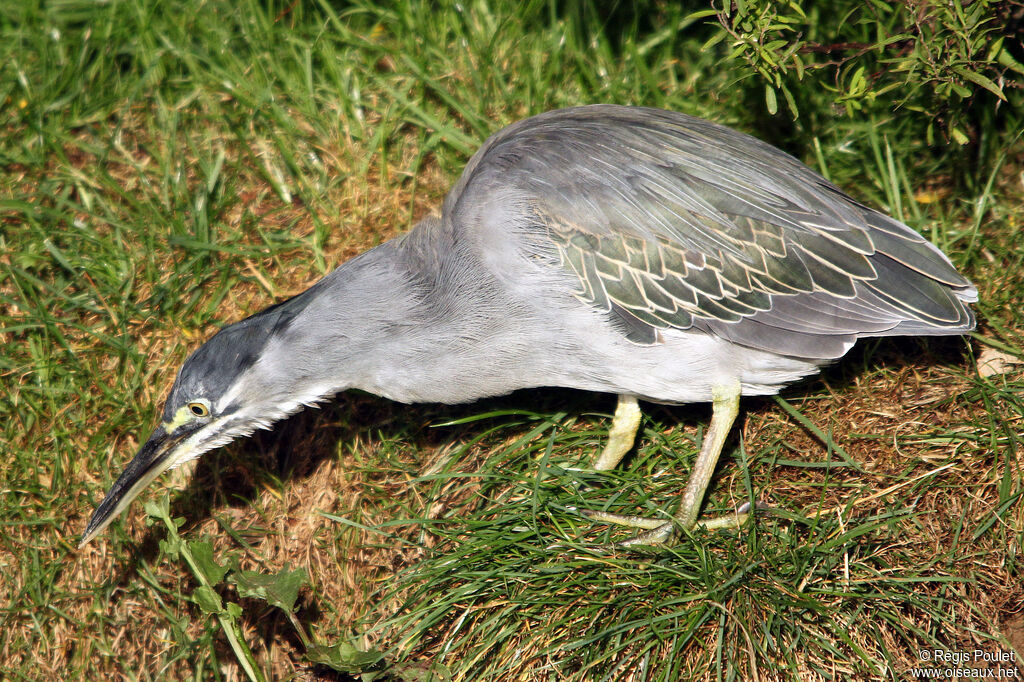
(724, 408)
(660, 532)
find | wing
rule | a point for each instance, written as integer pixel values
(669, 221)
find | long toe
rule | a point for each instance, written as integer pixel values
(628, 520)
(659, 531)
(663, 534)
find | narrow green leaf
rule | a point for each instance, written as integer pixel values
(978, 79)
(770, 101)
(1006, 59)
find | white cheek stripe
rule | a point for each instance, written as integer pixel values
(193, 446)
(197, 444)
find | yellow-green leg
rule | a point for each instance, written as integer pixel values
(622, 433)
(725, 408)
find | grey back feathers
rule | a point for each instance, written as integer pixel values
(669, 221)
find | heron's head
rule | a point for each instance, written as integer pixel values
(240, 380)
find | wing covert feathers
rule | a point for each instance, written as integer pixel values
(680, 223)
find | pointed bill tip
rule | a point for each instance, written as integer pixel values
(152, 459)
(87, 536)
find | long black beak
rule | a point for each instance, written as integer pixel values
(152, 459)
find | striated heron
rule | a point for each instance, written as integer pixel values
(625, 250)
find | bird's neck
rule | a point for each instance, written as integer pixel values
(409, 321)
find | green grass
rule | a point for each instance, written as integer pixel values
(169, 167)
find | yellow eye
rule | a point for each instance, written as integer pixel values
(199, 409)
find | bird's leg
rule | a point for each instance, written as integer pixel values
(622, 433)
(725, 408)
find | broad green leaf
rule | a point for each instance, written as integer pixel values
(207, 599)
(344, 657)
(202, 552)
(280, 589)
